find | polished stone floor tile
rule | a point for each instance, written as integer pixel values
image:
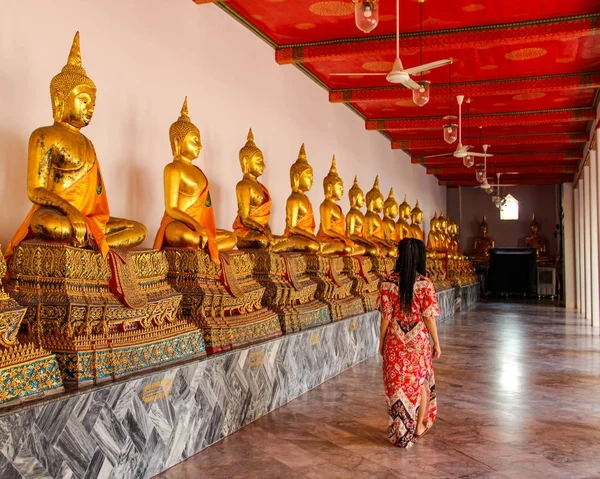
(518, 387)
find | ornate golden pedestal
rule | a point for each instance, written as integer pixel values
(334, 288)
(225, 301)
(73, 313)
(290, 291)
(26, 371)
(365, 279)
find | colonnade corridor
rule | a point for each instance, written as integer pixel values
(518, 397)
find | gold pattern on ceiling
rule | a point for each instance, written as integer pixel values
(526, 54)
(332, 9)
(530, 95)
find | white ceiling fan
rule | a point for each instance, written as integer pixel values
(399, 74)
(461, 150)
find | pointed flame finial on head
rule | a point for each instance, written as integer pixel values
(75, 53)
(250, 136)
(302, 153)
(184, 110)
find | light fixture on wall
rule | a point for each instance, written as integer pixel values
(366, 14)
(450, 128)
(421, 95)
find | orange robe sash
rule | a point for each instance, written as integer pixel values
(201, 210)
(306, 223)
(87, 195)
(260, 214)
(339, 226)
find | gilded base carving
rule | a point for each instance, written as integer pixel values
(225, 301)
(334, 287)
(365, 279)
(26, 371)
(289, 290)
(72, 311)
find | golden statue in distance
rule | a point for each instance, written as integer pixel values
(483, 243)
(254, 204)
(433, 237)
(444, 239)
(535, 241)
(374, 224)
(189, 219)
(390, 213)
(299, 218)
(332, 229)
(416, 219)
(454, 243)
(402, 227)
(355, 221)
(63, 175)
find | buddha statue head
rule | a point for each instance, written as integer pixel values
(535, 226)
(442, 223)
(452, 227)
(374, 198)
(356, 195)
(483, 226)
(434, 223)
(185, 136)
(416, 215)
(301, 173)
(333, 185)
(390, 206)
(251, 158)
(72, 92)
(404, 209)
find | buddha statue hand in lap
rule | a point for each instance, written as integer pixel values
(332, 229)
(416, 219)
(374, 224)
(390, 213)
(189, 219)
(402, 227)
(299, 218)
(251, 225)
(483, 243)
(63, 175)
(355, 221)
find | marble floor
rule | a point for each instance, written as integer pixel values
(518, 396)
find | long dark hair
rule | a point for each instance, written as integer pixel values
(410, 263)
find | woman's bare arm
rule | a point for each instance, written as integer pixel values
(432, 328)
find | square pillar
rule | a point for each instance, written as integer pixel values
(568, 244)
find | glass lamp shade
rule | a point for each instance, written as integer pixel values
(450, 133)
(497, 200)
(468, 161)
(422, 95)
(480, 175)
(366, 15)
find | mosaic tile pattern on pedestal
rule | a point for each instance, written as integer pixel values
(139, 427)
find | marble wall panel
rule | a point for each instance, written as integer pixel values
(138, 427)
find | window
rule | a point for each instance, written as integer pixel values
(510, 208)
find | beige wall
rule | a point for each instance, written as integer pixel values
(145, 57)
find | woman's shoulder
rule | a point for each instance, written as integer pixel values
(423, 282)
(390, 282)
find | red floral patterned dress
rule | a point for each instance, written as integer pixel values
(407, 364)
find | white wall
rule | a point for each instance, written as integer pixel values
(145, 57)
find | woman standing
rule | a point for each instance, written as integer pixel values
(408, 306)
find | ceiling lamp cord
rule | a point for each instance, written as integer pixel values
(421, 34)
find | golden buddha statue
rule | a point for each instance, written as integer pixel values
(536, 241)
(373, 226)
(355, 221)
(63, 175)
(416, 218)
(332, 229)
(454, 245)
(443, 233)
(483, 243)
(299, 219)
(402, 227)
(433, 237)
(251, 225)
(390, 213)
(189, 219)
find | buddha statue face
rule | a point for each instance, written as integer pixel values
(535, 228)
(333, 185)
(191, 146)
(301, 173)
(391, 211)
(306, 179)
(483, 228)
(254, 165)
(416, 217)
(77, 108)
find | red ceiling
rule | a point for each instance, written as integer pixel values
(512, 56)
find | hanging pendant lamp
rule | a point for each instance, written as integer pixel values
(450, 128)
(422, 95)
(366, 14)
(468, 160)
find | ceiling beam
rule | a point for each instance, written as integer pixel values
(439, 41)
(513, 181)
(487, 120)
(557, 158)
(494, 141)
(463, 172)
(512, 86)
